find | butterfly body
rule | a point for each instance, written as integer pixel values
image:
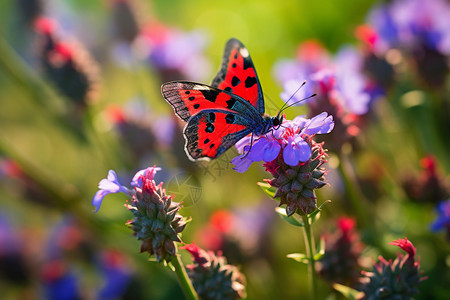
(220, 114)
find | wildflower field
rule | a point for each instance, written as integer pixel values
(224, 149)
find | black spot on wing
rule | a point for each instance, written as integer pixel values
(196, 106)
(206, 141)
(209, 95)
(234, 65)
(211, 146)
(250, 81)
(247, 63)
(187, 92)
(235, 81)
(229, 119)
(211, 118)
(209, 128)
(191, 98)
(230, 103)
(228, 89)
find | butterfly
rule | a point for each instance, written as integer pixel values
(220, 114)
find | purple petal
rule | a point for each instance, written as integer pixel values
(290, 155)
(148, 173)
(112, 176)
(443, 219)
(241, 163)
(98, 199)
(320, 124)
(240, 145)
(438, 225)
(257, 150)
(296, 150)
(300, 121)
(303, 150)
(107, 186)
(271, 151)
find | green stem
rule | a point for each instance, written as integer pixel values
(183, 277)
(309, 243)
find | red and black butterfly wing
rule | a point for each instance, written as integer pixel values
(237, 75)
(189, 98)
(211, 132)
(216, 119)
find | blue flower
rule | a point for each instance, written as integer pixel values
(116, 274)
(148, 173)
(110, 185)
(351, 81)
(60, 282)
(443, 220)
(296, 150)
(404, 23)
(291, 138)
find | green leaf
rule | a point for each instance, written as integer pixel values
(321, 246)
(300, 257)
(348, 292)
(291, 220)
(315, 215)
(323, 204)
(267, 188)
(321, 249)
(170, 266)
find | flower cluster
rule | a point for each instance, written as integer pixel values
(430, 186)
(289, 140)
(29, 10)
(126, 20)
(293, 158)
(156, 220)
(143, 131)
(171, 52)
(68, 65)
(59, 281)
(420, 30)
(213, 277)
(342, 88)
(341, 261)
(396, 279)
(116, 272)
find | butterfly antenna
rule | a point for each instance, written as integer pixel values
(298, 89)
(304, 99)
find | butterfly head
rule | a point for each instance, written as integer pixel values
(277, 120)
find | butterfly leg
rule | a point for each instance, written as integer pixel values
(251, 145)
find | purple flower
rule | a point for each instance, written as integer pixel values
(116, 273)
(290, 138)
(404, 23)
(9, 243)
(320, 124)
(172, 49)
(443, 220)
(351, 81)
(111, 185)
(148, 174)
(60, 282)
(381, 20)
(338, 81)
